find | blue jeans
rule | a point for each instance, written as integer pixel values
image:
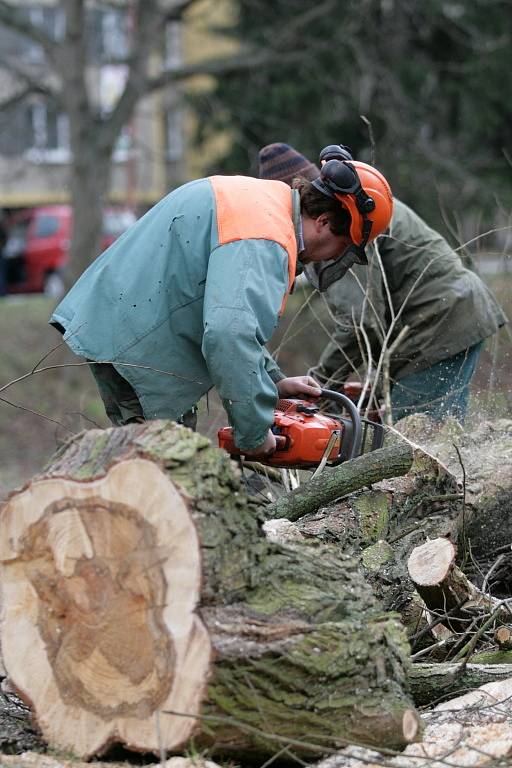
(439, 391)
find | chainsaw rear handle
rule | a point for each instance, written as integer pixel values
(355, 418)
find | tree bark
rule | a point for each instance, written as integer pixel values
(143, 605)
(432, 683)
(333, 483)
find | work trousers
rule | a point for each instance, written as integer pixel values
(121, 403)
(439, 391)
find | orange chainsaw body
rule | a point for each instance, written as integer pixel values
(302, 436)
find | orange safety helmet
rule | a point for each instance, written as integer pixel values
(361, 189)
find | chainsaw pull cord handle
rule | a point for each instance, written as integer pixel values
(355, 418)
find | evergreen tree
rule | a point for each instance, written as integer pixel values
(431, 77)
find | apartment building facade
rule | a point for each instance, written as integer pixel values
(35, 154)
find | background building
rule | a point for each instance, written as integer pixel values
(34, 133)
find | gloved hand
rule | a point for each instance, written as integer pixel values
(298, 386)
(265, 449)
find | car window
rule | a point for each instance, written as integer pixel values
(46, 226)
(16, 239)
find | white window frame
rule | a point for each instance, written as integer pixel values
(40, 152)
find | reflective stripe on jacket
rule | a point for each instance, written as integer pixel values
(187, 298)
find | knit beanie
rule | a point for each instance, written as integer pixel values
(284, 163)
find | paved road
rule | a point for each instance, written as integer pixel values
(494, 266)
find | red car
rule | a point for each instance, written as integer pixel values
(37, 247)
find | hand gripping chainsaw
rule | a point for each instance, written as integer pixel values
(307, 437)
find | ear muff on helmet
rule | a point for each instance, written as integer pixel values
(361, 189)
(335, 152)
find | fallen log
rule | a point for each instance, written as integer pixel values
(382, 524)
(335, 482)
(432, 683)
(142, 604)
(471, 730)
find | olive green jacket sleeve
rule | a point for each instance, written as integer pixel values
(416, 280)
(244, 291)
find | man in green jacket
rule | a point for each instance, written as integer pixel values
(415, 284)
(188, 296)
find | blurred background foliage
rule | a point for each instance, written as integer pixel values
(430, 77)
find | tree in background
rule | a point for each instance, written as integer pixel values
(431, 77)
(62, 80)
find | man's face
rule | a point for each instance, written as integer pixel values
(320, 244)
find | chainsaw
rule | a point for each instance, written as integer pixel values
(306, 437)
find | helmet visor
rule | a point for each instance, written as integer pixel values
(322, 274)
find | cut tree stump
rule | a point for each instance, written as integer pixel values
(142, 604)
(503, 638)
(443, 586)
(481, 458)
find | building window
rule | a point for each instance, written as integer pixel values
(49, 134)
(114, 35)
(49, 20)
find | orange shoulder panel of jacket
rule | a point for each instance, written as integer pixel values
(261, 209)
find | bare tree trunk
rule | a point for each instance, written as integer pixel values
(89, 191)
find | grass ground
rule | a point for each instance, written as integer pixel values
(41, 410)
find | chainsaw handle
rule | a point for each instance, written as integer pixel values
(355, 418)
(281, 442)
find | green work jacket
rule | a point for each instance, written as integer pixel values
(187, 298)
(416, 277)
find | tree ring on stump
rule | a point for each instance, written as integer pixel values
(100, 582)
(430, 563)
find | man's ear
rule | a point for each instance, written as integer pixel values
(323, 221)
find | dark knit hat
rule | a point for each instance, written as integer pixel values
(284, 163)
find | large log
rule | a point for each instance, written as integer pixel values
(142, 604)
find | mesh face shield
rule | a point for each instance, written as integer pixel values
(322, 274)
